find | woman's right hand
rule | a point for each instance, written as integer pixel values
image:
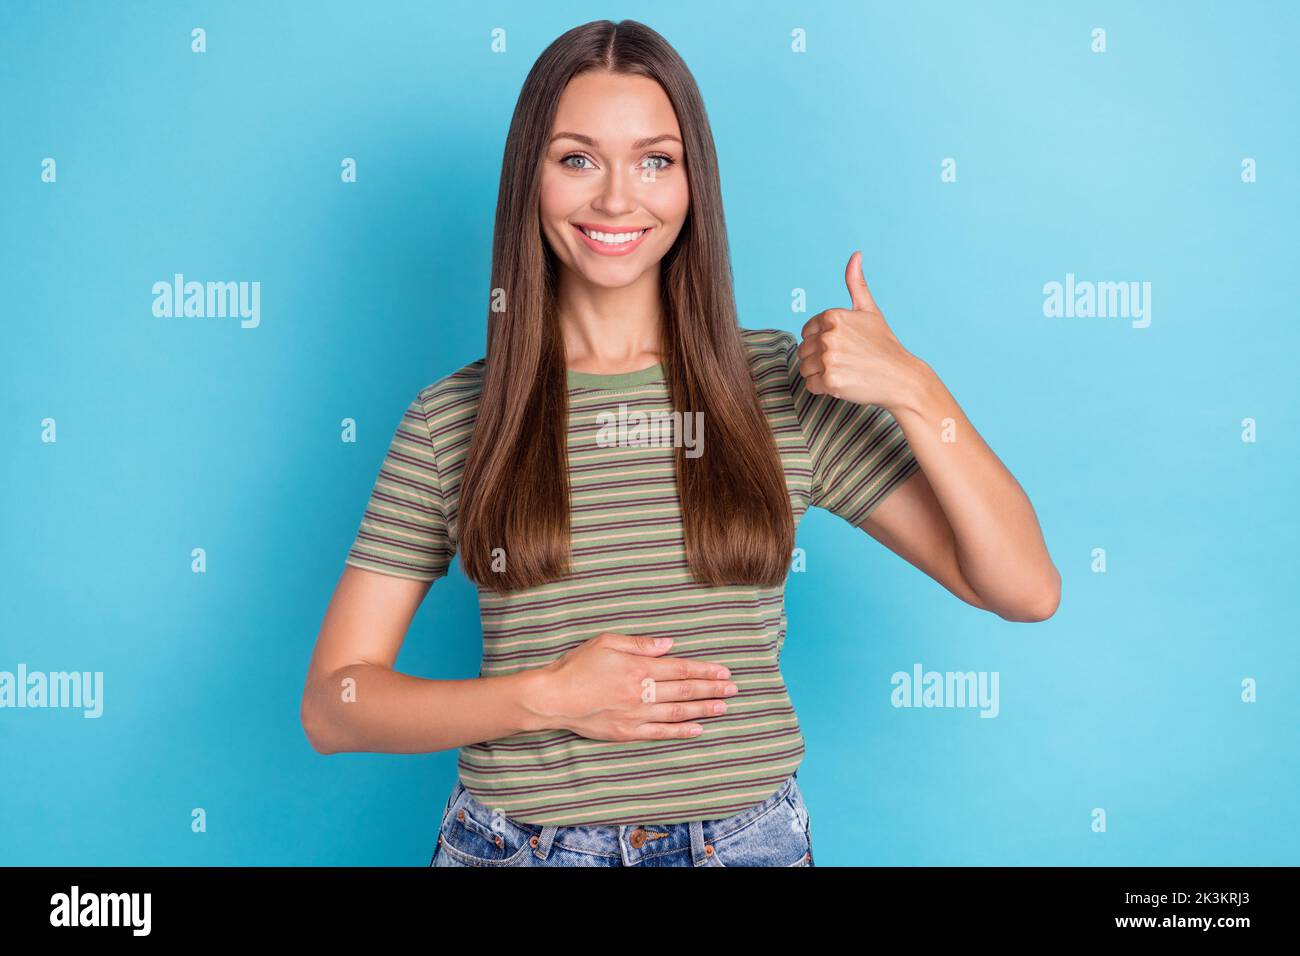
(621, 687)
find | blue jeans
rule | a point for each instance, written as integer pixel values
(774, 832)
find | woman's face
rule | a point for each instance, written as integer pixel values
(614, 166)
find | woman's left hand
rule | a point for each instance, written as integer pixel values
(853, 354)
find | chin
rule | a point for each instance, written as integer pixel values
(611, 275)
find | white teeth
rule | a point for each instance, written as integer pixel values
(612, 238)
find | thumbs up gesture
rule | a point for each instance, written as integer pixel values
(852, 354)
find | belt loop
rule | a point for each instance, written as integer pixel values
(698, 856)
(544, 840)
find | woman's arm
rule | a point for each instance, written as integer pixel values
(963, 519)
(355, 701)
(610, 687)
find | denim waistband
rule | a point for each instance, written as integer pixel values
(615, 840)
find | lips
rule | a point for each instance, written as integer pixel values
(606, 248)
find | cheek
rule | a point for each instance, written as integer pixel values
(554, 207)
(550, 207)
(670, 207)
(558, 198)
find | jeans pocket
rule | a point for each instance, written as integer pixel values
(800, 820)
(776, 837)
(456, 789)
(473, 835)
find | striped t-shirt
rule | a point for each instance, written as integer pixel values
(629, 575)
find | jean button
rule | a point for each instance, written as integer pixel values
(637, 838)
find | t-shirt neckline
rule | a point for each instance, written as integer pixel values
(642, 376)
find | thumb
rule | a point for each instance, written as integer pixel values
(857, 284)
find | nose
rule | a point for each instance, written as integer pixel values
(618, 191)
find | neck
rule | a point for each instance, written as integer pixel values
(610, 330)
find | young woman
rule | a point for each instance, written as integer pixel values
(622, 475)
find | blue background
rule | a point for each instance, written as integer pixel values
(183, 433)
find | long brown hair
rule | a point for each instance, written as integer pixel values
(736, 516)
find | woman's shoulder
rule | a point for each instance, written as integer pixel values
(770, 353)
(458, 390)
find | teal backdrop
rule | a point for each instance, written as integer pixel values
(1152, 720)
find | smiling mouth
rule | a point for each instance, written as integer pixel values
(612, 239)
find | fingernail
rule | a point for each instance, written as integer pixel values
(722, 674)
(662, 641)
(729, 689)
(719, 707)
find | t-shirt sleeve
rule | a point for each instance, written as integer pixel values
(404, 530)
(859, 452)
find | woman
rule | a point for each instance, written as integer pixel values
(622, 475)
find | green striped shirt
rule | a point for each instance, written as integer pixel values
(629, 575)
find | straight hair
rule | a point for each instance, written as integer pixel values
(736, 515)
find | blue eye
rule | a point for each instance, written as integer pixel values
(666, 161)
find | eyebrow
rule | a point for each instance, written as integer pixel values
(639, 144)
